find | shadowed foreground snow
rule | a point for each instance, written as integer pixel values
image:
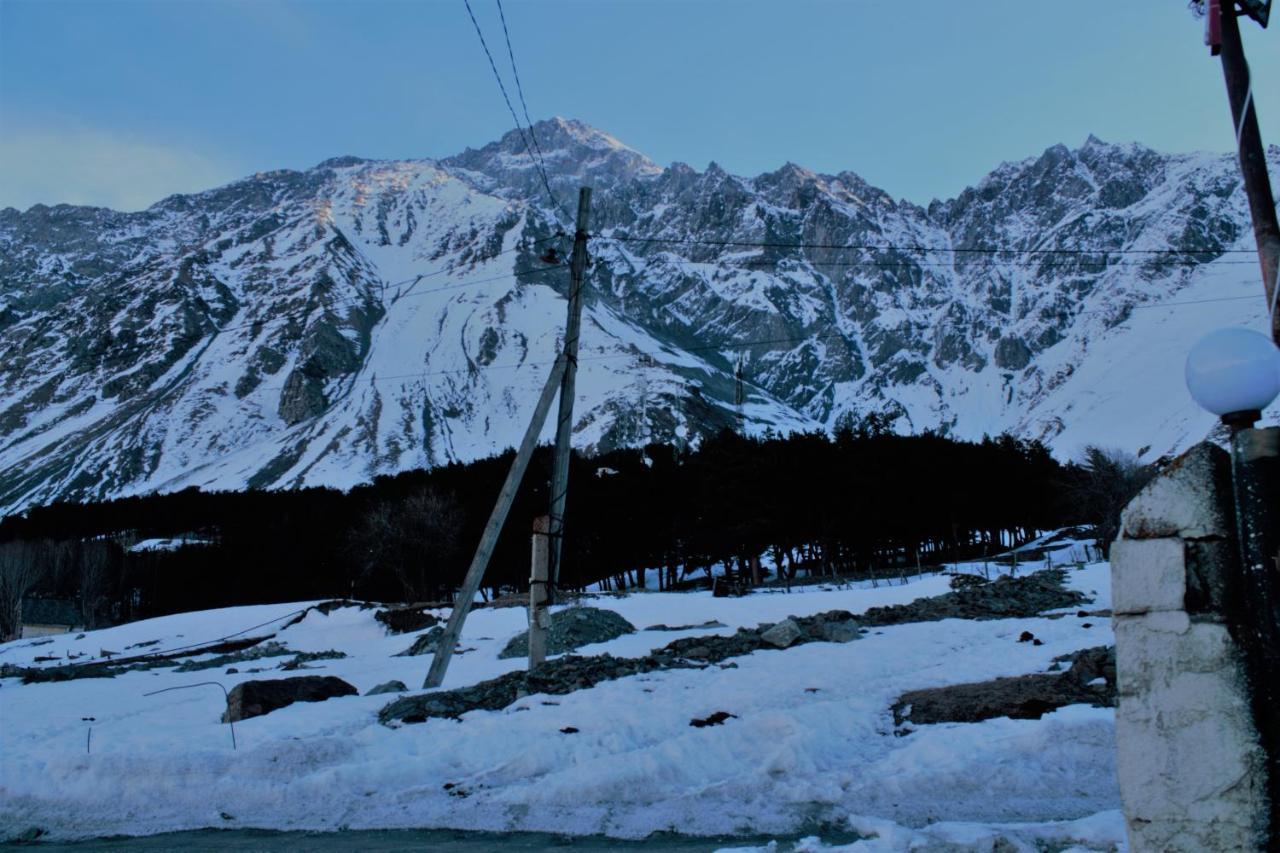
(812, 744)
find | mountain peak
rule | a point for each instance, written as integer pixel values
(570, 151)
(580, 133)
(340, 162)
(560, 134)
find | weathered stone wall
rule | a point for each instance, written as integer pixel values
(1191, 771)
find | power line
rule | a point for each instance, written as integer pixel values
(520, 128)
(1189, 302)
(890, 247)
(1100, 265)
(524, 106)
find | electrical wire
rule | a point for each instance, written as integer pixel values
(542, 163)
(1100, 265)
(507, 98)
(890, 247)
(178, 650)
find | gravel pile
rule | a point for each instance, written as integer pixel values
(1003, 598)
(571, 629)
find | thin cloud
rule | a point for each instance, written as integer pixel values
(102, 168)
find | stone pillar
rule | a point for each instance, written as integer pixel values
(1191, 772)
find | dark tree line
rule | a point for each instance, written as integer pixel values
(860, 502)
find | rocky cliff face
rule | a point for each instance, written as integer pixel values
(365, 317)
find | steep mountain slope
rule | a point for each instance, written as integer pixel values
(367, 317)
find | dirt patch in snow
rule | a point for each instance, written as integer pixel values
(404, 620)
(1091, 680)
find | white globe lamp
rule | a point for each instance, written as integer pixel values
(1235, 374)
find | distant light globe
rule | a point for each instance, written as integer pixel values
(682, 431)
(1234, 370)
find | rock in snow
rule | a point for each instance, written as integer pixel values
(425, 644)
(393, 686)
(255, 698)
(783, 634)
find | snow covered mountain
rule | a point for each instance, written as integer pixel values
(362, 317)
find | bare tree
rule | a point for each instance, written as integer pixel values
(1108, 479)
(94, 582)
(62, 564)
(21, 567)
(413, 540)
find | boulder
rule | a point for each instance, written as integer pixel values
(782, 634)
(392, 686)
(425, 644)
(255, 698)
(840, 632)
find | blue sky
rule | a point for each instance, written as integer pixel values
(121, 102)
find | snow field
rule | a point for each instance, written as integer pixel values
(812, 742)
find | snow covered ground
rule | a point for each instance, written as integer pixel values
(812, 745)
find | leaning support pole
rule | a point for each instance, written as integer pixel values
(564, 423)
(471, 584)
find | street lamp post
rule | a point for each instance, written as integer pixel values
(1235, 374)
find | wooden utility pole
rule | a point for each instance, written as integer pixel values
(538, 614)
(561, 380)
(1253, 160)
(489, 539)
(564, 424)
